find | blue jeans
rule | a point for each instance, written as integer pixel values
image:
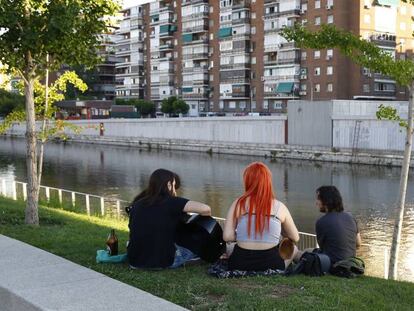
(182, 255)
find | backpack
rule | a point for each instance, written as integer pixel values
(349, 268)
(311, 264)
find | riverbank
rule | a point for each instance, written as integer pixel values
(77, 237)
(317, 153)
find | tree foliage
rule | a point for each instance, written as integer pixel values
(144, 107)
(174, 105)
(10, 101)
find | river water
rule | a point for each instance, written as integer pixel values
(369, 192)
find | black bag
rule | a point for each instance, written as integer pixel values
(202, 235)
(312, 264)
(348, 268)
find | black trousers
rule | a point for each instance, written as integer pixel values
(255, 260)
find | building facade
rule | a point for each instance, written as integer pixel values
(228, 55)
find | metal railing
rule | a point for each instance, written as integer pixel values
(94, 205)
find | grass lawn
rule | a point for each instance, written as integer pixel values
(77, 237)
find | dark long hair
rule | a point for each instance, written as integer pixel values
(158, 187)
(331, 198)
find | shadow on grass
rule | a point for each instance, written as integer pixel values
(77, 237)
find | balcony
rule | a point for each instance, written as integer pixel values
(240, 21)
(239, 4)
(201, 28)
(289, 13)
(166, 47)
(197, 69)
(188, 2)
(385, 40)
(283, 61)
(280, 46)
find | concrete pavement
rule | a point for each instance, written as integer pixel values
(32, 279)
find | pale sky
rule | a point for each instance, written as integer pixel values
(129, 3)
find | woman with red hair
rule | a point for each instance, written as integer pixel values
(256, 221)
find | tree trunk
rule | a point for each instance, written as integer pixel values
(393, 266)
(31, 214)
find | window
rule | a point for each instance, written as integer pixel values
(232, 105)
(330, 19)
(212, 36)
(365, 88)
(329, 54)
(317, 88)
(317, 20)
(317, 71)
(253, 60)
(329, 4)
(317, 54)
(303, 87)
(253, 30)
(211, 77)
(303, 55)
(329, 87)
(253, 15)
(367, 19)
(329, 70)
(317, 4)
(304, 8)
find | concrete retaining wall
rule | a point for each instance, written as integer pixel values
(264, 130)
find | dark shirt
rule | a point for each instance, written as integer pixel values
(336, 234)
(152, 230)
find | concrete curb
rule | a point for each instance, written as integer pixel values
(32, 279)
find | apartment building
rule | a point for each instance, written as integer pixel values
(130, 54)
(228, 55)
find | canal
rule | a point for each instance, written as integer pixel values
(369, 192)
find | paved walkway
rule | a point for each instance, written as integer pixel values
(32, 280)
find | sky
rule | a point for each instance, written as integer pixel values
(129, 3)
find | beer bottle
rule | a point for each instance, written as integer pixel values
(112, 243)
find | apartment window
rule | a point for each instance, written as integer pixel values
(304, 8)
(317, 4)
(242, 105)
(367, 19)
(303, 87)
(211, 22)
(212, 36)
(211, 77)
(329, 54)
(303, 55)
(367, 4)
(253, 30)
(365, 88)
(232, 105)
(330, 19)
(211, 64)
(317, 88)
(317, 20)
(304, 21)
(329, 87)
(253, 60)
(329, 4)
(211, 9)
(402, 26)
(317, 54)
(317, 71)
(266, 104)
(329, 70)
(253, 15)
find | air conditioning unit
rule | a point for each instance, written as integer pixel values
(328, 57)
(262, 78)
(367, 6)
(303, 77)
(302, 93)
(329, 6)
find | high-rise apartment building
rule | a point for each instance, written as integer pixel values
(229, 56)
(129, 51)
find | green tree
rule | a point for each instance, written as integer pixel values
(368, 55)
(33, 30)
(181, 106)
(10, 101)
(145, 107)
(167, 105)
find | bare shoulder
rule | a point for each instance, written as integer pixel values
(281, 209)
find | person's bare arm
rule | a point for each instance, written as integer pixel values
(288, 226)
(358, 240)
(229, 232)
(197, 207)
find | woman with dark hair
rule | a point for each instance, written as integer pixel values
(256, 222)
(153, 218)
(337, 231)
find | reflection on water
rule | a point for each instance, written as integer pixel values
(369, 192)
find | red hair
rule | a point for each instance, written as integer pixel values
(258, 195)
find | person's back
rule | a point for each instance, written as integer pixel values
(337, 231)
(152, 232)
(337, 234)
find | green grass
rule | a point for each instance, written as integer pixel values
(77, 237)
